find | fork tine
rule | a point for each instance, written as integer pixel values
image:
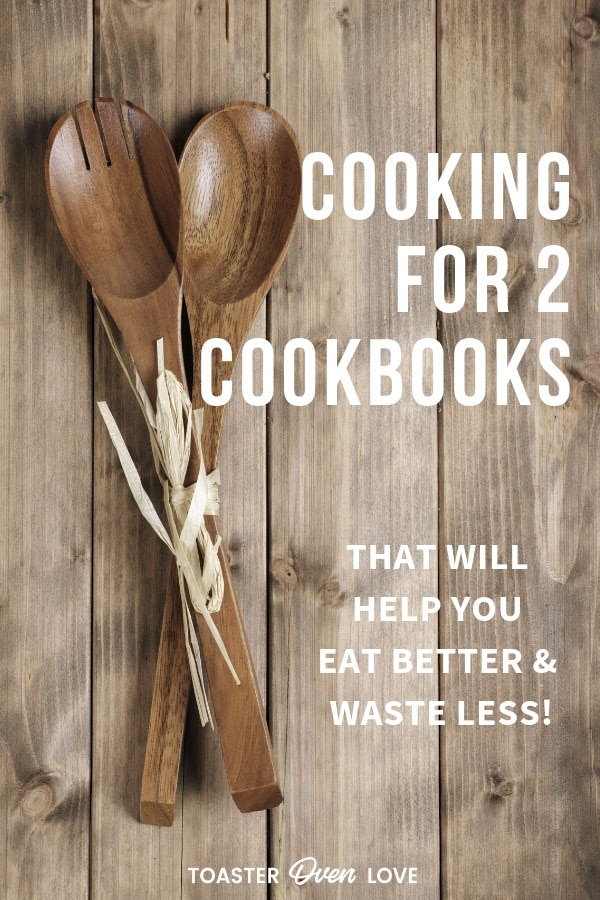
(65, 147)
(90, 135)
(110, 121)
(127, 111)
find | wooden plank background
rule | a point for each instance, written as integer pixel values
(482, 812)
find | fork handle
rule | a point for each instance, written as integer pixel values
(238, 710)
(170, 698)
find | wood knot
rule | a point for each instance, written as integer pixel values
(41, 795)
(284, 573)
(234, 554)
(500, 787)
(343, 16)
(331, 594)
(575, 213)
(586, 371)
(521, 273)
(80, 554)
(4, 197)
(586, 29)
(321, 351)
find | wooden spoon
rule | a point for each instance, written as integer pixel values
(114, 189)
(240, 179)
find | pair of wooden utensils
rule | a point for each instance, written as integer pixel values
(138, 226)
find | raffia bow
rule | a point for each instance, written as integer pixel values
(170, 428)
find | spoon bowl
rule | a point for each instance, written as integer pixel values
(240, 183)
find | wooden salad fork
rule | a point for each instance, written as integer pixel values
(114, 189)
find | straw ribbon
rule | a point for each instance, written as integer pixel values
(171, 428)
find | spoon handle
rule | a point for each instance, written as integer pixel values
(238, 710)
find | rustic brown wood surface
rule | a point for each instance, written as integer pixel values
(350, 475)
(45, 602)
(504, 812)
(520, 812)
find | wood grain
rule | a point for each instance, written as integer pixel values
(520, 816)
(519, 811)
(45, 490)
(354, 796)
